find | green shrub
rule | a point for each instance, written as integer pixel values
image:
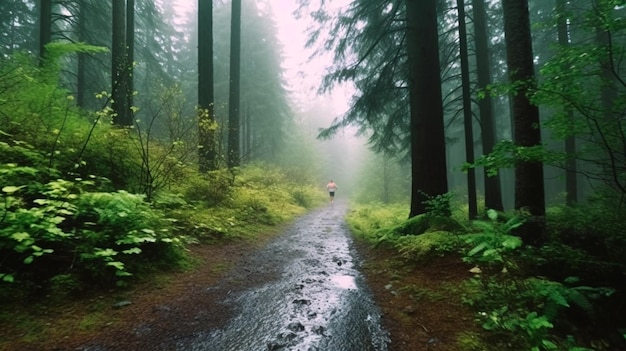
(371, 221)
(59, 226)
(213, 188)
(422, 248)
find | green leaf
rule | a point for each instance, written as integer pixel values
(134, 250)
(21, 236)
(492, 214)
(549, 345)
(117, 264)
(512, 242)
(29, 260)
(538, 322)
(8, 278)
(10, 189)
(477, 249)
(106, 253)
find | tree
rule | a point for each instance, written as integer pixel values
(235, 79)
(493, 197)
(119, 65)
(45, 27)
(81, 64)
(571, 176)
(529, 190)
(585, 80)
(265, 109)
(207, 153)
(130, 50)
(17, 26)
(467, 111)
(389, 50)
(428, 168)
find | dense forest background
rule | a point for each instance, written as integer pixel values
(507, 113)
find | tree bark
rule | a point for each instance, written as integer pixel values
(119, 65)
(529, 184)
(428, 148)
(207, 147)
(235, 79)
(467, 112)
(493, 192)
(45, 27)
(571, 171)
(81, 84)
(130, 52)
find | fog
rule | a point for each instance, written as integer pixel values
(341, 156)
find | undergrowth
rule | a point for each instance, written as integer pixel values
(555, 297)
(88, 205)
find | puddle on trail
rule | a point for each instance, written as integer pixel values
(344, 281)
(319, 303)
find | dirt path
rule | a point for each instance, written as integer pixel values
(304, 289)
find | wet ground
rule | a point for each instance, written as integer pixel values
(317, 301)
(303, 291)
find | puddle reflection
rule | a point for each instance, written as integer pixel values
(344, 281)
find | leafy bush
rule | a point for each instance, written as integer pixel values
(372, 220)
(57, 226)
(421, 248)
(494, 246)
(213, 188)
(522, 310)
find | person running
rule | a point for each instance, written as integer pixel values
(331, 187)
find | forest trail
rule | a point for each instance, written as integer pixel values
(302, 291)
(302, 288)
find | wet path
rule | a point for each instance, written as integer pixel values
(318, 300)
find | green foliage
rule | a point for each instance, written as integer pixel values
(422, 248)
(214, 187)
(439, 205)
(426, 223)
(372, 221)
(506, 154)
(57, 226)
(510, 304)
(492, 246)
(40, 115)
(387, 225)
(587, 241)
(256, 196)
(526, 310)
(582, 84)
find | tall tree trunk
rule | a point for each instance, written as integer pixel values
(385, 196)
(493, 193)
(529, 183)
(248, 137)
(467, 112)
(119, 65)
(235, 78)
(45, 27)
(613, 143)
(207, 126)
(130, 51)
(428, 147)
(571, 171)
(81, 85)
